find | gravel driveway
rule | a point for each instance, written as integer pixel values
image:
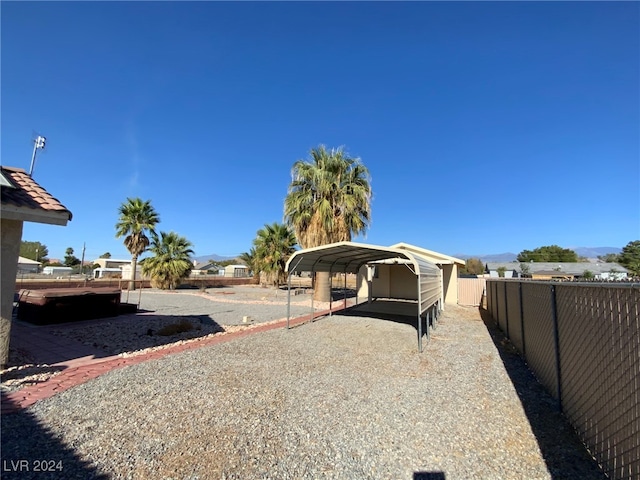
(344, 397)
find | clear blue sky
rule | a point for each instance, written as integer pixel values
(487, 127)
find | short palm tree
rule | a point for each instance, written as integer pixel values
(274, 244)
(250, 259)
(137, 217)
(329, 200)
(170, 260)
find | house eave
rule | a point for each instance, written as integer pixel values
(10, 212)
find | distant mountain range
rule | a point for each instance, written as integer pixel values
(588, 252)
(213, 256)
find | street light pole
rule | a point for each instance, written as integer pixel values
(37, 266)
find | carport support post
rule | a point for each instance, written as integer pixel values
(345, 291)
(313, 295)
(429, 320)
(420, 332)
(288, 299)
(434, 315)
(330, 292)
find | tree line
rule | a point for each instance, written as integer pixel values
(629, 258)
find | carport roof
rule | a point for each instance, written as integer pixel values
(345, 257)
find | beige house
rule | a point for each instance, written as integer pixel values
(111, 262)
(236, 271)
(23, 200)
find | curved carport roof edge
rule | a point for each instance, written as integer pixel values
(345, 257)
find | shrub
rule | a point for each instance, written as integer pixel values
(175, 328)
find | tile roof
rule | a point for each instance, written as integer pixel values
(28, 194)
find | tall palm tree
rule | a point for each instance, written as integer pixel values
(329, 200)
(170, 260)
(136, 218)
(274, 244)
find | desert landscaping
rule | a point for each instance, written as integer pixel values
(344, 396)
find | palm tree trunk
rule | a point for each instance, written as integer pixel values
(134, 266)
(322, 291)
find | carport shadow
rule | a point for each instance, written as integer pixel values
(383, 310)
(30, 451)
(565, 455)
(52, 344)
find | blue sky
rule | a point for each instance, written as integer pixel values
(487, 126)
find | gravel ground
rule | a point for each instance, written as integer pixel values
(344, 397)
(225, 306)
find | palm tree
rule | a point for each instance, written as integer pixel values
(329, 200)
(170, 260)
(136, 218)
(274, 244)
(250, 259)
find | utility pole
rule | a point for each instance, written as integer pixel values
(38, 143)
(82, 261)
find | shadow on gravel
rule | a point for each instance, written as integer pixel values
(429, 476)
(31, 451)
(169, 329)
(565, 455)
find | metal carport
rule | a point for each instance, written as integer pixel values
(349, 257)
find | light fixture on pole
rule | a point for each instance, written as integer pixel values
(38, 143)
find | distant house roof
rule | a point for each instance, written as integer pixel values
(27, 261)
(205, 265)
(24, 199)
(558, 273)
(571, 268)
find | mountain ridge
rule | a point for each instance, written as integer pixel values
(588, 252)
(213, 256)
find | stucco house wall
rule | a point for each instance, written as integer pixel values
(23, 200)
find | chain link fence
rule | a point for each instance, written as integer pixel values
(582, 341)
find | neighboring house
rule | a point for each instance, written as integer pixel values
(236, 271)
(552, 275)
(111, 262)
(57, 271)
(26, 265)
(126, 272)
(107, 272)
(23, 200)
(204, 268)
(559, 271)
